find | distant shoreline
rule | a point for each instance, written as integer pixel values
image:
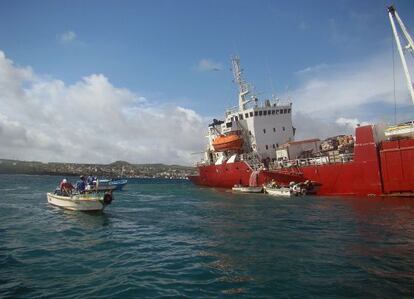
(116, 169)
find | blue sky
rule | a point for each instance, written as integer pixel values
(156, 49)
(151, 47)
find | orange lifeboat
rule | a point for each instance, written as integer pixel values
(227, 142)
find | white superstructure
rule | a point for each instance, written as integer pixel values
(263, 127)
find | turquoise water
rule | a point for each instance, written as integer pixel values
(173, 239)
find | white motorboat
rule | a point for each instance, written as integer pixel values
(81, 202)
(278, 191)
(247, 189)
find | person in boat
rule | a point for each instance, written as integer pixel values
(273, 184)
(66, 187)
(81, 184)
(90, 180)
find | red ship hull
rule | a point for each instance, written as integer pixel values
(228, 175)
(377, 169)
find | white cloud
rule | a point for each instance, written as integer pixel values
(90, 121)
(344, 88)
(208, 65)
(67, 37)
(349, 122)
(313, 69)
(309, 126)
(332, 99)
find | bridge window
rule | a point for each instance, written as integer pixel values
(269, 112)
(289, 110)
(283, 128)
(265, 112)
(250, 132)
(256, 113)
(228, 125)
(236, 118)
(241, 116)
(281, 111)
(274, 145)
(251, 114)
(285, 111)
(246, 115)
(264, 131)
(267, 147)
(277, 111)
(274, 129)
(260, 113)
(273, 111)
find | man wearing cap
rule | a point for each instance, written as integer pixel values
(66, 187)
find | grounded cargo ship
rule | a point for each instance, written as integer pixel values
(255, 145)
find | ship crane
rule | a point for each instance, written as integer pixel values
(392, 13)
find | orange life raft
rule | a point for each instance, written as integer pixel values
(227, 142)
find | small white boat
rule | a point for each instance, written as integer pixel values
(247, 189)
(278, 191)
(81, 202)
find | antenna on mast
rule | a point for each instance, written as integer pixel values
(392, 13)
(238, 78)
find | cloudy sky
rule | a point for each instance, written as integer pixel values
(100, 81)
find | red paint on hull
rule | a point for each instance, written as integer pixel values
(387, 168)
(359, 177)
(397, 166)
(228, 175)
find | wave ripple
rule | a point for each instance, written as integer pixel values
(164, 239)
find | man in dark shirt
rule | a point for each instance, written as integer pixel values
(81, 184)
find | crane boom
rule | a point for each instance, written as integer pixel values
(392, 13)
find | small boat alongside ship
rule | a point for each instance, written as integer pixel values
(247, 189)
(278, 191)
(377, 161)
(294, 189)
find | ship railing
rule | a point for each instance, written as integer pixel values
(202, 163)
(252, 160)
(292, 169)
(232, 110)
(329, 159)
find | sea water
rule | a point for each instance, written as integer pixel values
(166, 238)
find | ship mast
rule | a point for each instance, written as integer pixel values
(392, 13)
(243, 85)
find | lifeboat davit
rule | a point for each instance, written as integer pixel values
(227, 142)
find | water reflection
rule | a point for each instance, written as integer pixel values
(85, 220)
(158, 239)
